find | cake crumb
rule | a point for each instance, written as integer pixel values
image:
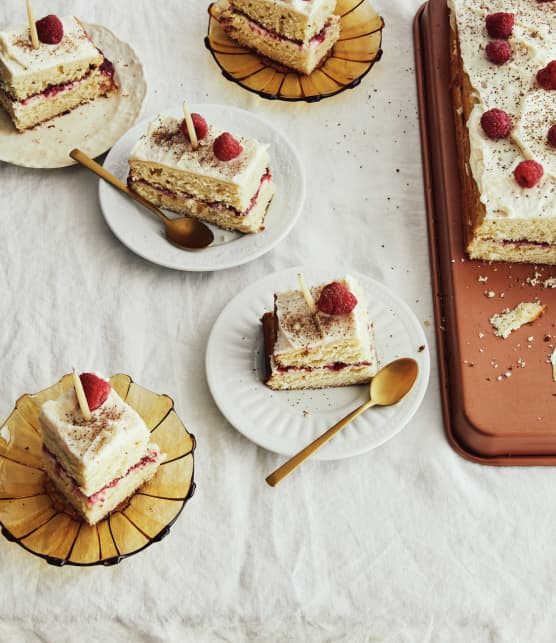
(482, 279)
(507, 321)
(490, 294)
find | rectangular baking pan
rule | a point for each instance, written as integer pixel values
(498, 396)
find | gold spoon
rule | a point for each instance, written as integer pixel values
(184, 232)
(388, 386)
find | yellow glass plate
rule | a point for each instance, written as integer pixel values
(35, 516)
(352, 57)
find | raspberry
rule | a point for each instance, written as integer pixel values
(498, 51)
(50, 30)
(336, 299)
(546, 77)
(528, 173)
(200, 125)
(500, 25)
(226, 147)
(552, 135)
(96, 389)
(496, 123)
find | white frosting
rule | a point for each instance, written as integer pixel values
(309, 7)
(87, 440)
(513, 88)
(177, 153)
(297, 327)
(19, 57)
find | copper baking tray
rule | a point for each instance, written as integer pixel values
(498, 395)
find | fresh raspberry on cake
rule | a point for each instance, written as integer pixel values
(336, 299)
(546, 77)
(496, 123)
(500, 25)
(528, 173)
(226, 147)
(498, 51)
(552, 135)
(200, 125)
(50, 30)
(96, 390)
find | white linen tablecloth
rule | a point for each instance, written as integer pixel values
(406, 543)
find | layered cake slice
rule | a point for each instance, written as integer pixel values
(96, 463)
(503, 64)
(298, 34)
(65, 71)
(322, 344)
(224, 180)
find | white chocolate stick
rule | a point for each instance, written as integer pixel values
(81, 397)
(310, 301)
(190, 127)
(32, 26)
(307, 294)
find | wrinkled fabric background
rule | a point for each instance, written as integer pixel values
(408, 543)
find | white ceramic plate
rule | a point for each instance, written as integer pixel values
(286, 421)
(142, 233)
(93, 127)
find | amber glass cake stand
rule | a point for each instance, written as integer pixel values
(37, 518)
(352, 57)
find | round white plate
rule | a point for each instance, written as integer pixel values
(93, 127)
(142, 233)
(286, 421)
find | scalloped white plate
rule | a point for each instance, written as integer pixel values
(286, 421)
(93, 127)
(142, 233)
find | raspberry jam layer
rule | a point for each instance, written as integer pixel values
(150, 458)
(335, 366)
(215, 205)
(269, 34)
(106, 69)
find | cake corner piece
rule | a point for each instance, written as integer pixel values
(331, 348)
(297, 36)
(65, 71)
(226, 180)
(96, 463)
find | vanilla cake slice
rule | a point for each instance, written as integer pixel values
(38, 84)
(332, 347)
(226, 180)
(298, 34)
(97, 463)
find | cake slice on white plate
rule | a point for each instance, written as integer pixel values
(330, 344)
(225, 180)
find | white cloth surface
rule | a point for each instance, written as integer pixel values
(407, 543)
